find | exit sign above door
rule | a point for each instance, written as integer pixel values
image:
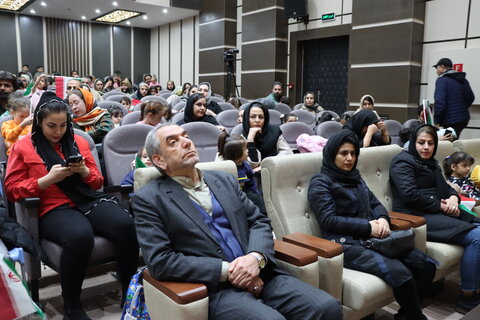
(328, 17)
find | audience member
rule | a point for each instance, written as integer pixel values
(288, 117)
(116, 114)
(349, 213)
(196, 110)
(141, 161)
(457, 170)
(97, 90)
(185, 89)
(87, 116)
(127, 102)
(367, 103)
(141, 92)
(193, 89)
(170, 85)
(310, 104)
(39, 87)
(235, 102)
(344, 118)
(277, 91)
(25, 79)
(21, 124)
(263, 139)
(453, 97)
(73, 84)
(8, 84)
(285, 100)
(126, 86)
(147, 78)
(108, 84)
(235, 266)
(38, 70)
(370, 130)
(419, 188)
(25, 71)
(70, 210)
(74, 74)
(212, 107)
(88, 81)
(152, 112)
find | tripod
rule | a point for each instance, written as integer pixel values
(231, 78)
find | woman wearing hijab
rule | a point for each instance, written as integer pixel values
(310, 104)
(206, 89)
(370, 130)
(348, 212)
(141, 92)
(195, 110)
(419, 188)
(71, 211)
(87, 116)
(263, 139)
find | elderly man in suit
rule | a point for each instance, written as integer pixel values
(196, 226)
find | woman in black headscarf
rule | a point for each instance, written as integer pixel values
(195, 111)
(349, 212)
(56, 165)
(370, 130)
(419, 188)
(263, 139)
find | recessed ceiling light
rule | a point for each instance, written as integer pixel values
(97, 10)
(145, 17)
(128, 22)
(83, 17)
(165, 10)
(43, 4)
(11, 5)
(115, 3)
(32, 11)
(117, 16)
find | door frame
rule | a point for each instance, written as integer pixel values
(296, 54)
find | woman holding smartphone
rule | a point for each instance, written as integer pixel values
(56, 165)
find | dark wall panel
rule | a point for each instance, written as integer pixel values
(101, 50)
(8, 47)
(374, 11)
(31, 38)
(264, 55)
(252, 5)
(122, 56)
(212, 61)
(254, 28)
(141, 53)
(256, 85)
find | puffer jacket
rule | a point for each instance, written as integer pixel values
(453, 97)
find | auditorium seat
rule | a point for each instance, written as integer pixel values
(228, 119)
(116, 97)
(291, 131)
(328, 128)
(107, 105)
(131, 118)
(306, 117)
(393, 128)
(205, 137)
(283, 108)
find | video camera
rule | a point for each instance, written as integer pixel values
(230, 55)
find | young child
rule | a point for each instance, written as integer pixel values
(457, 169)
(127, 102)
(116, 114)
(153, 112)
(288, 117)
(141, 161)
(235, 148)
(21, 124)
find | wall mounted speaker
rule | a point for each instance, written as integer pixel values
(295, 8)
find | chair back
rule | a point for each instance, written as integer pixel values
(116, 97)
(444, 149)
(410, 123)
(178, 117)
(179, 107)
(328, 128)
(111, 93)
(216, 99)
(291, 131)
(155, 98)
(3, 147)
(306, 117)
(119, 148)
(144, 175)
(237, 130)
(243, 106)
(228, 119)
(91, 144)
(138, 106)
(174, 99)
(226, 106)
(131, 118)
(219, 96)
(165, 95)
(321, 113)
(283, 108)
(394, 127)
(205, 138)
(470, 146)
(275, 116)
(298, 106)
(243, 100)
(108, 105)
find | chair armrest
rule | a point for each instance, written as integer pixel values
(416, 221)
(323, 248)
(397, 224)
(30, 202)
(180, 292)
(292, 254)
(124, 188)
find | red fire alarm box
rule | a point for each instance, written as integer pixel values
(290, 85)
(458, 67)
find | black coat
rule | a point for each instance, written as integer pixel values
(417, 189)
(215, 107)
(338, 209)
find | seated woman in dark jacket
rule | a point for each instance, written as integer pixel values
(196, 110)
(419, 188)
(348, 212)
(369, 129)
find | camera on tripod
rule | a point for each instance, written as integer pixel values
(230, 55)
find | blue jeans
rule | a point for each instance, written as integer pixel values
(470, 270)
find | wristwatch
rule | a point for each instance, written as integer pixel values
(260, 258)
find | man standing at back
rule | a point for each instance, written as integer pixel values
(198, 226)
(453, 96)
(8, 84)
(277, 91)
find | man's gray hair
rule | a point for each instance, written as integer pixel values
(152, 144)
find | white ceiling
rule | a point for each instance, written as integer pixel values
(75, 9)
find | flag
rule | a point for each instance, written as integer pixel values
(28, 90)
(61, 86)
(427, 112)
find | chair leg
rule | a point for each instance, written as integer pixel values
(34, 290)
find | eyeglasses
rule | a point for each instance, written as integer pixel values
(72, 88)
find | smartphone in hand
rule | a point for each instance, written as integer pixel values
(76, 158)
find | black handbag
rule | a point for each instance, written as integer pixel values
(396, 244)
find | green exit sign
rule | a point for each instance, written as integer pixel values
(328, 16)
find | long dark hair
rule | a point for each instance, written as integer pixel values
(456, 158)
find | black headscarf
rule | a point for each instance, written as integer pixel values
(188, 112)
(360, 120)
(329, 168)
(412, 146)
(73, 186)
(266, 141)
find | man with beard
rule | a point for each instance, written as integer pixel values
(276, 94)
(8, 84)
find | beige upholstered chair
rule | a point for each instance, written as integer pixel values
(470, 146)
(175, 300)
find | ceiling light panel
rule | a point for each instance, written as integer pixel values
(14, 5)
(118, 16)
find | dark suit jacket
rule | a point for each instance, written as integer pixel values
(177, 244)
